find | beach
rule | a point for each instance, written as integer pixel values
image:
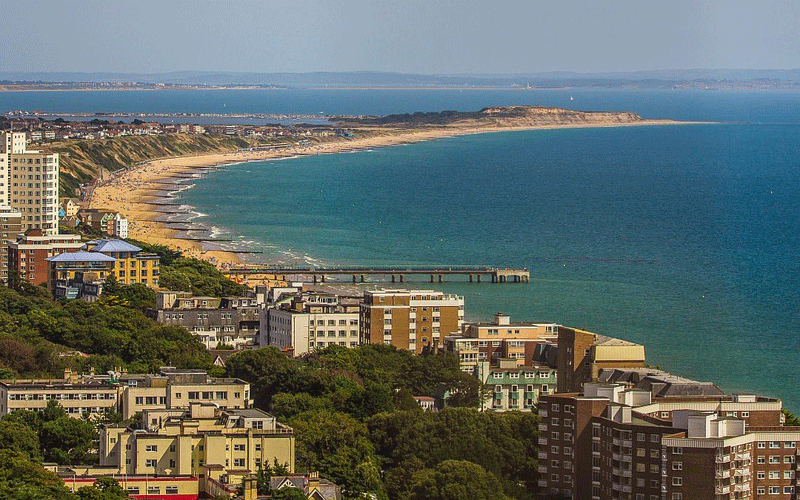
(142, 193)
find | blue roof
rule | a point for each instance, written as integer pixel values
(106, 245)
(81, 256)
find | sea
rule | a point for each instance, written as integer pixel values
(685, 238)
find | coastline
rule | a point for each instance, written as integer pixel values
(144, 194)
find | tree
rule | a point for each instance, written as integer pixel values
(288, 494)
(17, 436)
(790, 418)
(456, 480)
(105, 488)
(67, 440)
(23, 479)
(338, 447)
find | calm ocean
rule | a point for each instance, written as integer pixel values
(683, 238)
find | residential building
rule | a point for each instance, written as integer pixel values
(77, 394)
(232, 321)
(128, 394)
(143, 486)
(582, 354)
(311, 485)
(26, 255)
(10, 143)
(70, 206)
(500, 339)
(514, 387)
(607, 443)
(10, 229)
(70, 271)
(120, 227)
(33, 189)
(310, 320)
(416, 320)
(131, 265)
(190, 442)
(174, 388)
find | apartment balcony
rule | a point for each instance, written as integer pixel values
(543, 483)
(742, 487)
(543, 427)
(622, 442)
(722, 490)
(723, 474)
(543, 413)
(542, 469)
(542, 455)
(722, 459)
(542, 441)
(621, 472)
(621, 487)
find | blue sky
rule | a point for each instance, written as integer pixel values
(409, 36)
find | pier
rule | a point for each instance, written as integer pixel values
(477, 274)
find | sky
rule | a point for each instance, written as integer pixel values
(405, 36)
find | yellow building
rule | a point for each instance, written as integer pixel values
(191, 441)
(131, 266)
(87, 266)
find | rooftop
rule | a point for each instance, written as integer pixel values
(106, 245)
(81, 256)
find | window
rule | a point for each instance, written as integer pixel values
(640, 436)
(677, 496)
(788, 490)
(150, 462)
(773, 474)
(133, 490)
(238, 447)
(761, 445)
(151, 447)
(761, 474)
(761, 490)
(677, 481)
(774, 459)
(760, 459)
(238, 462)
(655, 438)
(154, 490)
(677, 450)
(171, 490)
(654, 453)
(774, 490)
(654, 468)
(774, 444)
(677, 465)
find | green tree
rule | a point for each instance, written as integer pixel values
(790, 418)
(288, 494)
(23, 479)
(105, 488)
(67, 440)
(456, 480)
(338, 447)
(17, 436)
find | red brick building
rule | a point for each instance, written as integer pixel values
(26, 255)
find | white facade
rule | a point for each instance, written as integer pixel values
(305, 331)
(120, 227)
(29, 183)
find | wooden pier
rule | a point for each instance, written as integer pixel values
(477, 274)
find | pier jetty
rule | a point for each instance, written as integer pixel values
(476, 274)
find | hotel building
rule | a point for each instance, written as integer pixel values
(416, 320)
(131, 264)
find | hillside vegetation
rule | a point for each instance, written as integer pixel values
(81, 160)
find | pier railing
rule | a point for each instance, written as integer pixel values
(397, 273)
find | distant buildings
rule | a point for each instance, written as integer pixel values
(416, 320)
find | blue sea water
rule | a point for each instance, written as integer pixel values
(684, 238)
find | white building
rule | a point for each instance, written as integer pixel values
(311, 320)
(120, 227)
(29, 182)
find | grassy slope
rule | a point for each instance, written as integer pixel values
(81, 160)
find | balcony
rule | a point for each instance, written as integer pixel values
(722, 459)
(742, 487)
(543, 413)
(543, 483)
(621, 487)
(542, 455)
(723, 474)
(622, 442)
(722, 490)
(542, 469)
(542, 441)
(543, 427)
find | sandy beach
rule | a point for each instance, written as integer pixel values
(141, 193)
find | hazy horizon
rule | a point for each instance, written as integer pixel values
(504, 37)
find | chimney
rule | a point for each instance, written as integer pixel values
(502, 319)
(313, 481)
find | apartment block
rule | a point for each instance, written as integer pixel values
(607, 444)
(216, 321)
(515, 387)
(128, 394)
(27, 255)
(500, 339)
(582, 354)
(173, 388)
(34, 189)
(131, 265)
(10, 229)
(310, 320)
(10, 143)
(188, 442)
(416, 320)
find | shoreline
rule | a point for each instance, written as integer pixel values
(145, 196)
